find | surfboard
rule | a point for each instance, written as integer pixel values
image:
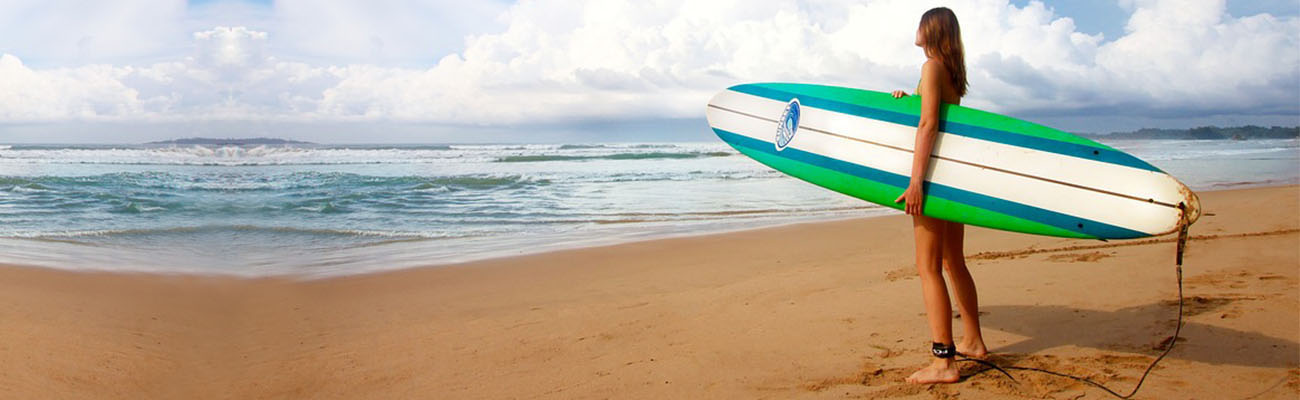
(986, 169)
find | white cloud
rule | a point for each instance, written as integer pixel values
(557, 61)
(81, 32)
(228, 76)
(379, 31)
(236, 48)
(1176, 58)
(64, 93)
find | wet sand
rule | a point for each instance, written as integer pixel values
(815, 310)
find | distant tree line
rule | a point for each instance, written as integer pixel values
(1208, 133)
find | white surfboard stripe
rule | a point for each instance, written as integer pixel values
(1092, 205)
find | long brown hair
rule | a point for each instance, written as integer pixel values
(943, 41)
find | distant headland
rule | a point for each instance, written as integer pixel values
(229, 141)
(1206, 133)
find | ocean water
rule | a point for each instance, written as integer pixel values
(321, 210)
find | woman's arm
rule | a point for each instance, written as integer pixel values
(926, 130)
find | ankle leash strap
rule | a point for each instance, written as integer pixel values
(942, 351)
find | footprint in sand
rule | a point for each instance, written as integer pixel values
(1078, 257)
(1223, 305)
(886, 352)
(1234, 279)
(907, 272)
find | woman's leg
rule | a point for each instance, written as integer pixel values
(929, 265)
(963, 288)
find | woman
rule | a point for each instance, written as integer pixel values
(939, 243)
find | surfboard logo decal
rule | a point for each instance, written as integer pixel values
(788, 124)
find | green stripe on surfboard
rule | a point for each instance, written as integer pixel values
(884, 195)
(911, 105)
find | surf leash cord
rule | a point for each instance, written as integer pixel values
(1178, 261)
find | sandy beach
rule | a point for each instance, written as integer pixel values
(813, 310)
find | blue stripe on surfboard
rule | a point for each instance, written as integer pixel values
(1040, 215)
(956, 128)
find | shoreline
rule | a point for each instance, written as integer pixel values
(622, 237)
(808, 310)
(720, 227)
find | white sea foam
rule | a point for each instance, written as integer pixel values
(225, 156)
(1164, 150)
(329, 155)
(68, 234)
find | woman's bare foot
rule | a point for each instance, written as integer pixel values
(943, 370)
(973, 348)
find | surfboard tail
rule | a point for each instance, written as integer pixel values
(1191, 205)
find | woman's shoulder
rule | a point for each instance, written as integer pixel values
(935, 71)
(933, 66)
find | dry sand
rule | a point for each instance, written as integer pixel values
(817, 310)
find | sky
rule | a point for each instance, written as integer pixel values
(437, 71)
